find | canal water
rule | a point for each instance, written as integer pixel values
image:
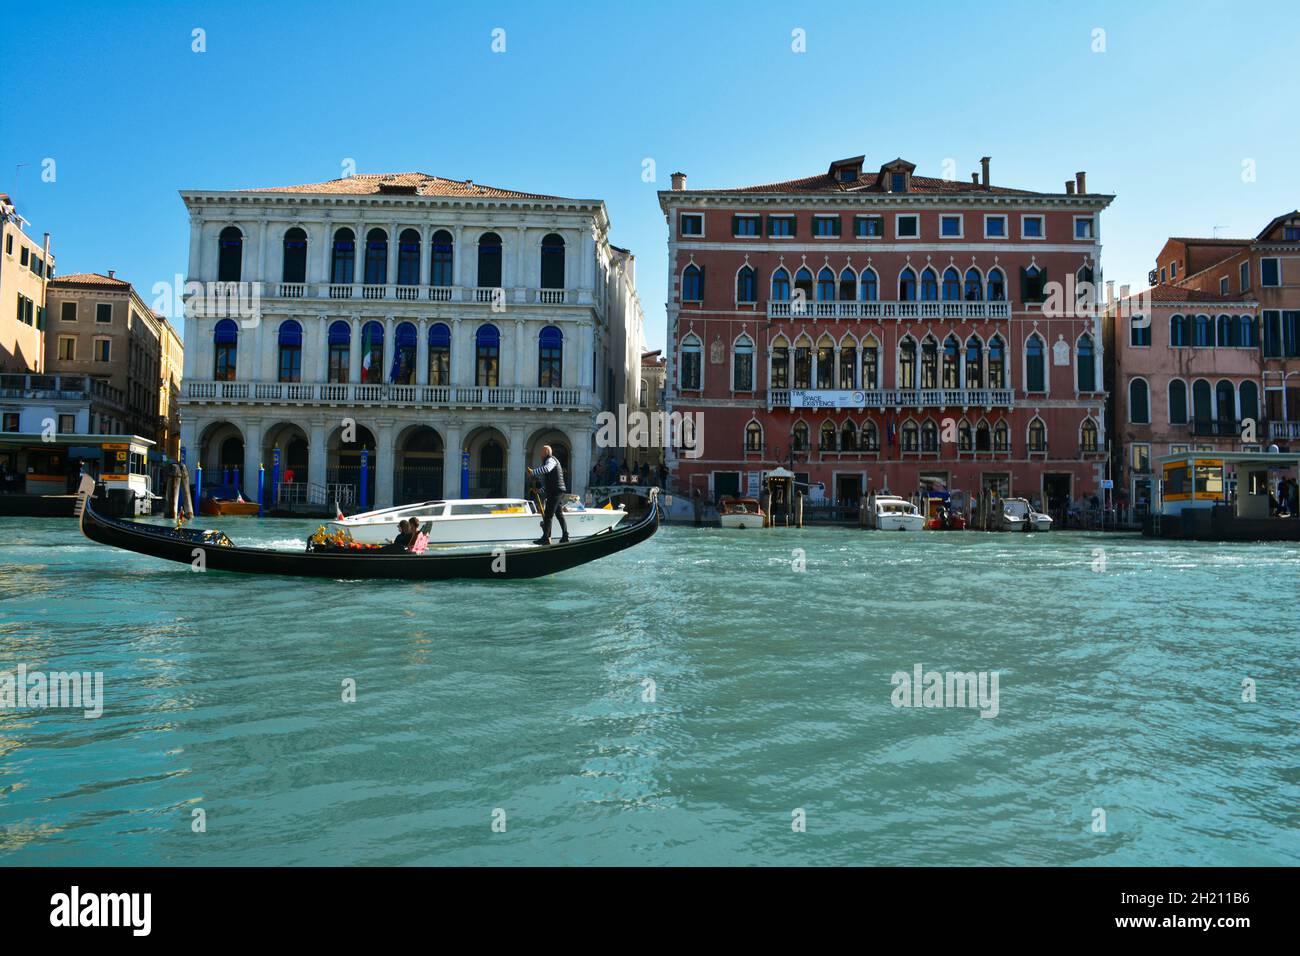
(708, 697)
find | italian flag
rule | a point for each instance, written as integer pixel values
(365, 356)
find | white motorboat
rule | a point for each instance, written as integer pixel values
(741, 513)
(477, 521)
(892, 513)
(1019, 515)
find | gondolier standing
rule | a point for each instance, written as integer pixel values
(551, 474)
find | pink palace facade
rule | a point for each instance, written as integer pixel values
(868, 329)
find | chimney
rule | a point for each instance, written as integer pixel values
(1069, 187)
(679, 182)
(111, 273)
(975, 179)
(984, 174)
(1082, 179)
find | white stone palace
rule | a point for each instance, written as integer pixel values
(447, 329)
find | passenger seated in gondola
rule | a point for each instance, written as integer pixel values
(419, 540)
(404, 537)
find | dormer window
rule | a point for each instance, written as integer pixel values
(898, 182)
(847, 175)
(1290, 233)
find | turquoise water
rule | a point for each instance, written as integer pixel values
(1119, 688)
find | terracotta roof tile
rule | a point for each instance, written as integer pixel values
(1175, 293)
(870, 182)
(415, 184)
(90, 278)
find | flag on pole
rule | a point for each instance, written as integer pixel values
(365, 354)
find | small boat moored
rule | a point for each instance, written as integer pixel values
(741, 513)
(892, 513)
(1017, 514)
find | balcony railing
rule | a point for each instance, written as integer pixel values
(66, 388)
(888, 310)
(1284, 429)
(1216, 427)
(915, 398)
(361, 393)
(399, 293)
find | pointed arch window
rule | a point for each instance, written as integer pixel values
(693, 284)
(1035, 366)
(870, 364)
(997, 286)
(869, 438)
(997, 363)
(746, 286)
(907, 364)
(780, 374)
(965, 436)
(984, 438)
(803, 282)
(929, 362)
(550, 358)
(802, 363)
(848, 285)
(868, 286)
(974, 286)
(1037, 436)
(848, 365)
(826, 437)
(848, 436)
(951, 362)
(929, 436)
(951, 285)
(742, 365)
(1001, 437)
(343, 257)
(825, 364)
(1088, 436)
(825, 286)
(907, 286)
(799, 436)
(929, 286)
(753, 437)
(780, 286)
(692, 368)
(1085, 364)
(974, 363)
(910, 436)
(294, 268)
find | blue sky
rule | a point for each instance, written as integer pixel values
(1164, 118)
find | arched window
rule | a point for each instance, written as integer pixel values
(780, 286)
(965, 436)
(910, 436)
(799, 436)
(951, 285)
(1225, 398)
(406, 340)
(848, 285)
(974, 286)
(1139, 408)
(870, 437)
(870, 363)
(974, 362)
(929, 362)
(550, 358)
(826, 438)
(929, 436)
(225, 343)
(487, 355)
(803, 362)
(907, 363)
(1088, 435)
(290, 366)
(1086, 367)
(907, 286)
(1177, 402)
(340, 345)
(985, 440)
(294, 268)
(848, 436)
(691, 375)
(343, 257)
(929, 285)
(230, 254)
(408, 258)
(489, 261)
(1201, 334)
(825, 286)
(997, 363)
(742, 364)
(439, 354)
(376, 257)
(1201, 403)
(753, 436)
(1249, 401)
(997, 286)
(746, 285)
(1001, 437)
(803, 281)
(951, 362)
(693, 284)
(1037, 435)
(440, 259)
(1035, 368)
(825, 362)
(848, 364)
(1223, 328)
(868, 286)
(553, 262)
(780, 374)
(372, 353)
(1246, 332)
(1179, 331)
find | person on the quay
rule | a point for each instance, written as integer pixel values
(551, 474)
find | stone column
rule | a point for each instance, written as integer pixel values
(461, 355)
(580, 460)
(520, 379)
(389, 349)
(322, 347)
(261, 253)
(451, 461)
(317, 455)
(390, 275)
(458, 254)
(516, 461)
(520, 269)
(422, 353)
(252, 457)
(385, 458)
(354, 351)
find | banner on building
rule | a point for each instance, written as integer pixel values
(827, 398)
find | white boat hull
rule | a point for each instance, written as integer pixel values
(741, 521)
(381, 527)
(897, 522)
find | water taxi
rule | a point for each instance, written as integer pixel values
(741, 513)
(477, 521)
(892, 513)
(1226, 496)
(226, 504)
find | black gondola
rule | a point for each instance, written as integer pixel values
(216, 552)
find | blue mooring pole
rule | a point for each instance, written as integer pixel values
(198, 483)
(365, 478)
(261, 487)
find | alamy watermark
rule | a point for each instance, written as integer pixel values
(637, 429)
(923, 688)
(37, 690)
